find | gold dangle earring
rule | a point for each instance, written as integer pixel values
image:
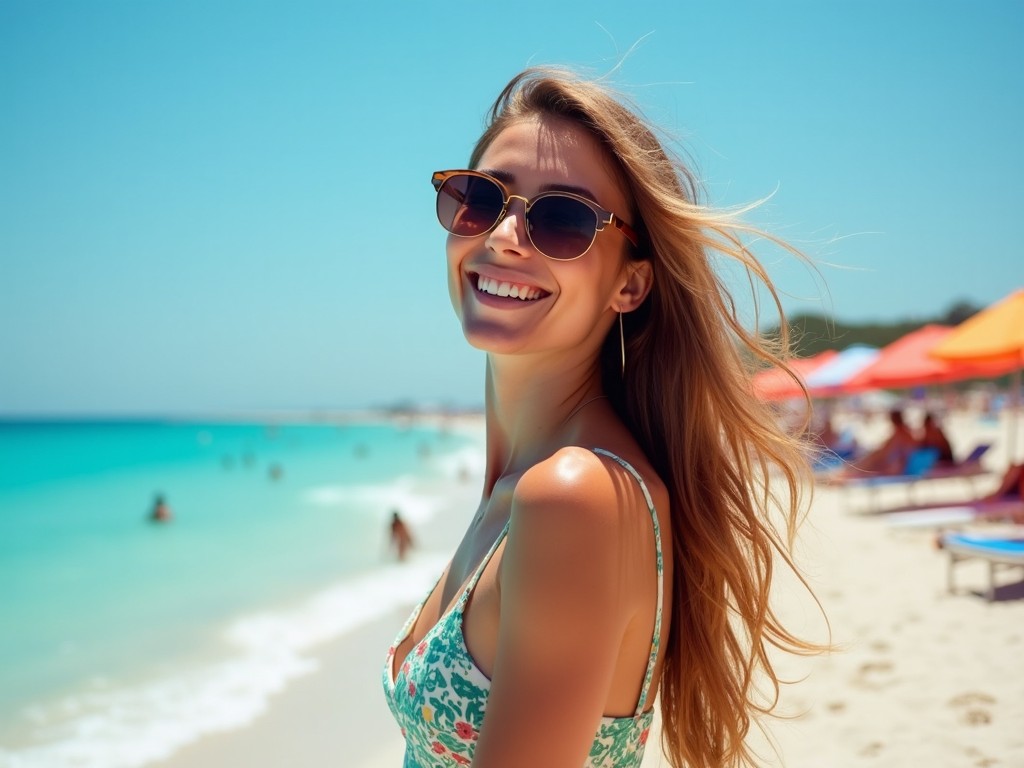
(622, 343)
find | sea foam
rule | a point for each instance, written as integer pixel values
(129, 727)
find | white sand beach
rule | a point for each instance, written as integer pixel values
(920, 677)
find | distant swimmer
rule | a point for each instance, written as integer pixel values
(401, 539)
(161, 512)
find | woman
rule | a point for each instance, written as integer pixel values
(623, 523)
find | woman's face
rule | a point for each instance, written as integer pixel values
(570, 304)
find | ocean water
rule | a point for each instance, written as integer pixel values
(123, 639)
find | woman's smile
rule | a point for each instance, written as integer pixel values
(504, 290)
(513, 290)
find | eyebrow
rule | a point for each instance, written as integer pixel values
(509, 178)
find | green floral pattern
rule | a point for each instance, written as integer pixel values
(439, 696)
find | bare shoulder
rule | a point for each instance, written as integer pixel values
(575, 479)
(582, 498)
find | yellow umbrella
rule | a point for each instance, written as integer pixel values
(994, 334)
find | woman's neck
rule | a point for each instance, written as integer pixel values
(529, 410)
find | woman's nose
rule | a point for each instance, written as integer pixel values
(509, 234)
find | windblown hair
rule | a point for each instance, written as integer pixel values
(686, 396)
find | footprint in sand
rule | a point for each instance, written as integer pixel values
(973, 707)
(874, 749)
(874, 674)
(981, 760)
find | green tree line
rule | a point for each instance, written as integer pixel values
(811, 333)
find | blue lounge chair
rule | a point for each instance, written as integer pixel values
(998, 552)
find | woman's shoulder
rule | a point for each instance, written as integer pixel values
(573, 535)
(589, 485)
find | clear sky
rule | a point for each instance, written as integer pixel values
(224, 206)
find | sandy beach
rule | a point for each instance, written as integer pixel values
(919, 676)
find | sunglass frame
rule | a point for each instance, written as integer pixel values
(604, 216)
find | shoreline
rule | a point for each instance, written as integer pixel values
(341, 702)
(338, 714)
(256, 651)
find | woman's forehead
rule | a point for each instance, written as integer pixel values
(545, 152)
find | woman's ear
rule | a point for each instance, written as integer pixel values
(639, 279)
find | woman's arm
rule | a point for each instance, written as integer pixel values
(564, 609)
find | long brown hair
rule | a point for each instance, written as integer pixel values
(687, 399)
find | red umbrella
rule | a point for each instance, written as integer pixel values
(776, 384)
(907, 362)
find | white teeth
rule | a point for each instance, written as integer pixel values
(493, 287)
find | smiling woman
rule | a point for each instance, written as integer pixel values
(622, 548)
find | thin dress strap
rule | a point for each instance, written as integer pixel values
(656, 640)
(464, 598)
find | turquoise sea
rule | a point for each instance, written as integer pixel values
(123, 638)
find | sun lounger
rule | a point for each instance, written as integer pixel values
(967, 469)
(918, 464)
(921, 466)
(955, 515)
(997, 552)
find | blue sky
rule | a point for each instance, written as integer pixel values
(210, 207)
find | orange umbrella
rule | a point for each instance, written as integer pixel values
(776, 384)
(906, 362)
(994, 334)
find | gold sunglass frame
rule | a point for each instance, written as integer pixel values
(604, 217)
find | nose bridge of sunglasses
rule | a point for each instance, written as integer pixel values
(519, 214)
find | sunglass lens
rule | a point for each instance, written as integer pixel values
(561, 227)
(469, 205)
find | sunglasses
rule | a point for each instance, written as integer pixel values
(560, 225)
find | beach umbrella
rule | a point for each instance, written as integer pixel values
(830, 379)
(995, 334)
(907, 362)
(776, 384)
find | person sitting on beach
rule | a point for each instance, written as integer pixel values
(161, 513)
(932, 436)
(890, 458)
(401, 539)
(625, 539)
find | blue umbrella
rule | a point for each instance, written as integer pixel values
(829, 378)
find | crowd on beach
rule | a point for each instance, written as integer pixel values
(905, 455)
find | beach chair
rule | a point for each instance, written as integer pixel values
(998, 552)
(945, 516)
(922, 468)
(969, 469)
(919, 463)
